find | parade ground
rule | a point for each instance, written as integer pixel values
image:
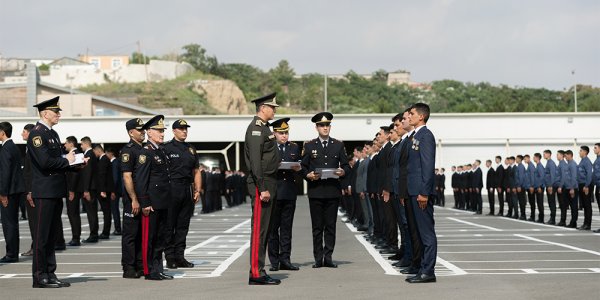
(479, 257)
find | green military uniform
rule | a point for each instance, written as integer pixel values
(262, 160)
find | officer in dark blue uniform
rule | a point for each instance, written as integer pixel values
(49, 186)
(324, 194)
(280, 238)
(131, 241)
(185, 192)
(153, 188)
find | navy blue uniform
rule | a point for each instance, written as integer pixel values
(131, 241)
(11, 186)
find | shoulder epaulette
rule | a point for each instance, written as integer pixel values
(129, 145)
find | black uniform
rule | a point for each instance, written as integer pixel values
(87, 183)
(183, 164)
(73, 207)
(500, 186)
(491, 186)
(12, 187)
(262, 160)
(131, 240)
(153, 188)
(49, 186)
(280, 239)
(105, 183)
(324, 194)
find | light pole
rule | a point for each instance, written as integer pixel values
(325, 94)
(574, 89)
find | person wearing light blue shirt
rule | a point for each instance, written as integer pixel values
(584, 181)
(539, 186)
(550, 180)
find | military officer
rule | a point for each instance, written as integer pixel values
(320, 155)
(49, 186)
(550, 180)
(185, 192)
(153, 189)
(280, 239)
(584, 179)
(131, 241)
(262, 160)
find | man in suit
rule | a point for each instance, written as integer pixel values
(49, 186)
(500, 186)
(539, 186)
(384, 189)
(522, 180)
(584, 179)
(511, 188)
(561, 191)
(377, 236)
(105, 189)
(490, 185)
(87, 186)
(530, 174)
(550, 180)
(118, 193)
(572, 189)
(319, 156)
(477, 185)
(280, 238)
(262, 160)
(391, 187)
(442, 187)
(27, 181)
(361, 188)
(421, 165)
(73, 198)
(12, 189)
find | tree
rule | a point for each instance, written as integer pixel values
(283, 74)
(138, 58)
(196, 56)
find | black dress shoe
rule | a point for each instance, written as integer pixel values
(490, 214)
(23, 218)
(45, 284)
(551, 222)
(584, 227)
(59, 282)
(330, 264)
(103, 237)
(317, 265)
(274, 268)
(396, 256)
(409, 270)
(117, 233)
(531, 220)
(90, 240)
(263, 280)
(561, 224)
(165, 276)
(500, 214)
(523, 218)
(388, 251)
(171, 264)
(133, 274)
(401, 264)
(153, 276)
(28, 253)
(288, 266)
(421, 278)
(572, 225)
(60, 247)
(381, 246)
(183, 263)
(74, 243)
(596, 230)
(540, 221)
(362, 228)
(7, 260)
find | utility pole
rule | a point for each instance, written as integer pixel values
(139, 44)
(325, 94)
(574, 88)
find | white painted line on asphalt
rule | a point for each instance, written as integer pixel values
(232, 229)
(479, 245)
(451, 267)
(597, 270)
(224, 265)
(474, 224)
(210, 240)
(530, 271)
(525, 251)
(384, 263)
(75, 275)
(9, 276)
(524, 261)
(558, 244)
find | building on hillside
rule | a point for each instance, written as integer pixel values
(106, 62)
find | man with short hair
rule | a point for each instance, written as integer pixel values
(104, 188)
(12, 189)
(87, 186)
(118, 187)
(530, 174)
(421, 165)
(539, 186)
(573, 189)
(522, 180)
(563, 180)
(550, 181)
(490, 185)
(30, 206)
(73, 199)
(499, 178)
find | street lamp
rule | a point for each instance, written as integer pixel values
(574, 88)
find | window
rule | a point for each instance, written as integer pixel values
(95, 62)
(116, 62)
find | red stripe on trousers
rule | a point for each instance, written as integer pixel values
(256, 236)
(145, 233)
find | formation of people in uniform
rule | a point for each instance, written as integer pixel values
(388, 185)
(521, 181)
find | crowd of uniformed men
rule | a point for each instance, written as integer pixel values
(159, 184)
(521, 180)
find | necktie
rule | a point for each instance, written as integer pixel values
(324, 144)
(281, 149)
(411, 135)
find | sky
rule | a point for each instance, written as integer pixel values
(534, 43)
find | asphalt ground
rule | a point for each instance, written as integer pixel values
(479, 257)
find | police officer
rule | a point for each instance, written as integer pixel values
(324, 153)
(153, 189)
(185, 191)
(262, 161)
(280, 239)
(131, 250)
(49, 186)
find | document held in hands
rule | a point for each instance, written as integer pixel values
(78, 159)
(327, 173)
(288, 165)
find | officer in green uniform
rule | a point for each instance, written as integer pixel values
(262, 161)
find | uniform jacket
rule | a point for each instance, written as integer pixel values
(286, 179)
(262, 155)
(87, 175)
(584, 172)
(383, 169)
(531, 173)
(477, 179)
(596, 173)
(182, 159)
(572, 181)
(539, 178)
(315, 156)
(27, 172)
(372, 175)
(402, 183)
(152, 183)
(550, 174)
(129, 162)
(499, 176)
(48, 167)
(490, 182)
(104, 182)
(117, 178)
(421, 163)
(522, 176)
(11, 171)
(563, 178)
(361, 176)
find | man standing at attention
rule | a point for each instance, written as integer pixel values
(262, 161)
(421, 166)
